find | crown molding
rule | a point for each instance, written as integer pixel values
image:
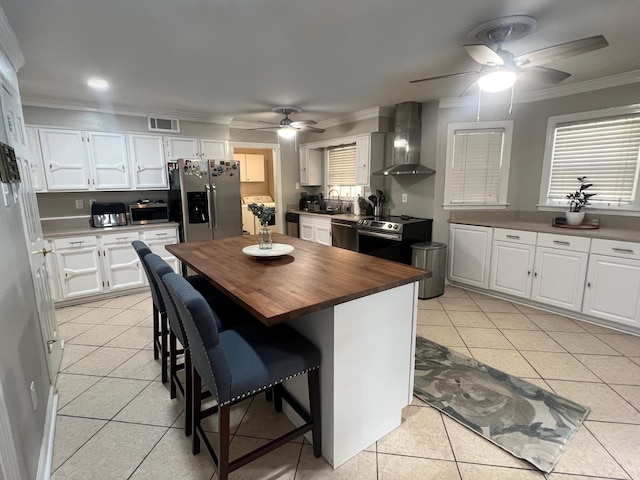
(9, 43)
(374, 112)
(548, 93)
(138, 112)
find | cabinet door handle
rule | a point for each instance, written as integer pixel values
(561, 242)
(588, 284)
(529, 273)
(119, 239)
(622, 250)
(78, 242)
(535, 275)
(161, 234)
(514, 237)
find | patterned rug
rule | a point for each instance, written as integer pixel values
(523, 419)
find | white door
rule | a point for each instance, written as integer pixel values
(33, 232)
(122, 264)
(147, 162)
(181, 147)
(306, 230)
(511, 268)
(363, 155)
(34, 158)
(613, 289)
(323, 234)
(214, 149)
(469, 254)
(156, 240)
(78, 266)
(110, 164)
(304, 162)
(559, 277)
(65, 157)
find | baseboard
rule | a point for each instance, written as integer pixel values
(46, 448)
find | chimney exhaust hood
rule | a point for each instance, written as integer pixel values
(406, 142)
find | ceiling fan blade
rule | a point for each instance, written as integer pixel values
(268, 123)
(469, 90)
(302, 123)
(544, 75)
(309, 128)
(563, 50)
(484, 55)
(444, 76)
(275, 127)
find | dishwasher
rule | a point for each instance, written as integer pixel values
(344, 234)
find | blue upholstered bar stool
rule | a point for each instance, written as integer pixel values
(230, 315)
(239, 363)
(160, 326)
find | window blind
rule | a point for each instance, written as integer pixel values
(477, 161)
(605, 150)
(341, 162)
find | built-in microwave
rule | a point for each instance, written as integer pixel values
(148, 212)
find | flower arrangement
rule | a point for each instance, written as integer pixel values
(264, 214)
(580, 198)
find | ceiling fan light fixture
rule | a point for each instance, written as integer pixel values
(287, 133)
(497, 80)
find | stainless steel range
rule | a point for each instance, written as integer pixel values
(392, 237)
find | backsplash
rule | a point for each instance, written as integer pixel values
(53, 204)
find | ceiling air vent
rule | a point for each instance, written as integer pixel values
(164, 124)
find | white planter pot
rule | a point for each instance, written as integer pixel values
(574, 218)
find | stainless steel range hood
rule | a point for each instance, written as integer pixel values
(406, 142)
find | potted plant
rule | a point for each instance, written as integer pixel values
(577, 201)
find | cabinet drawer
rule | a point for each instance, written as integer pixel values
(564, 242)
(160, 233)
(516, 236)
(615, 248)
(75, 242)
(116, 238)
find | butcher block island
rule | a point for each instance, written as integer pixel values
(359, 310)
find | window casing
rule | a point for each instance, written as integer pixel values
(341, 170)
(602, 145)
(478, 158)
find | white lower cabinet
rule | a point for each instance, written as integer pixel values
(90, 265)
(469, 253)
(315, 229)
(78, 266)
(121, 264)
(157, 239)
(560, 270)
(613, 282)
(512, 257)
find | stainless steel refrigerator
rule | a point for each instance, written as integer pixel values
(205, 198)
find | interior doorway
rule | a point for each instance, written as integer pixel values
(260, 182)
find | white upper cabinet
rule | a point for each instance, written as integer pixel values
(147, 162)
(310, 166)
(214, 149)
(109, 161)
(34, 159)
(370, 157)
(181, 147)
(65, 156)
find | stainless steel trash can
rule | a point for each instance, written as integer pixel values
(430, 256)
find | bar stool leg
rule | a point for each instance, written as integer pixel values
(156, 333)
(313, 379)
(173, 346)
(163, 342)
(196, 402)
(224, 413)
(188, 394)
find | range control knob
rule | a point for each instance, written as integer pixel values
(396, 227)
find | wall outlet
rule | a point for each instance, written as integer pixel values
(34, 397)
(79, 204)
(404, 198)
(297, 185)
(92, 201)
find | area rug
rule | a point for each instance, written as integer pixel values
(522, 418)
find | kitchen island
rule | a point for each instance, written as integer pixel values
(359, 310)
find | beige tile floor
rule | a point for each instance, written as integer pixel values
(116, 421)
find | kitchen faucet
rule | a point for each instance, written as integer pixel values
(338, 194)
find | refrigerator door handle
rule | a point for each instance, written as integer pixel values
(208, 189)
(215, 207)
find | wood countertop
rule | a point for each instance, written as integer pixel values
(312, 278)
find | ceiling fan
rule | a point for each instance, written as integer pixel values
(500, 68)
(287, 128)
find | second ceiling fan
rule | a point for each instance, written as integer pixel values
(500, 68)
(287, 128)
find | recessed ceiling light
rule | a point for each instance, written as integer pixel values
(98, 83)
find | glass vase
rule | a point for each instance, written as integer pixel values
(264, 238)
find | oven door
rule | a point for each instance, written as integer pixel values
(384, 245)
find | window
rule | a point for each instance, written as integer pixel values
(478, 157)
(601, 145)
(341, 170)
